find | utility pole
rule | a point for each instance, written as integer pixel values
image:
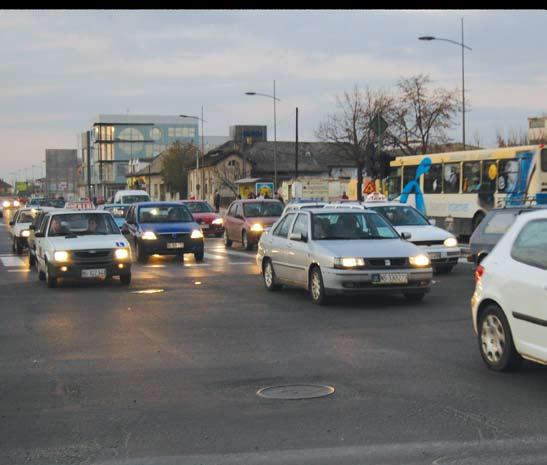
(296, 149)
(88, 162)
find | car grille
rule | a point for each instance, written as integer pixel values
(174, 237)
(428, 242)
(386, 263)
(92, 256)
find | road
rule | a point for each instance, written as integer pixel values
(98, 373)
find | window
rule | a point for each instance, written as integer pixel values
(433, 180)
(402, 216)
(471, 176)
(238, 211)
(508, 175)
(282, 229)
(155, 133)
(499, 223)
(347, 226)
(530, 247)
(262, 209)
(232, 210)
(135, 138)
(301, 225)
(544, 160)
(409, 174)
(394, 181)
(489, 175)
(82, 224)
(182, 132)
(451, 178)
(165, 214)
(537, 123)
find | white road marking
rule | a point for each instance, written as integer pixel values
(232, 252)
(20, 270)
(214, 257)
(12, 261)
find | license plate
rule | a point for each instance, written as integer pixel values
(435, 255)
(390, 278)
(175, 245)
(98, 273)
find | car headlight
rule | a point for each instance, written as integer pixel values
(5, 203)
(450, 242)
(16, 203)
(25, 233)
(218, 221)
(148, 236)
(348, 262)
(419, 260)
(196, 234)
(121, 254)
(257, 227)
(61, 256)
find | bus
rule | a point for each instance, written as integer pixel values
(457, 189)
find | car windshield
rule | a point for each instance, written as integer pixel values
(351, 225)
(118, 211)
(199, 207)
(82, 224)
(164, 214)
(255, 209)
(401, 215)
(135, 198)
(25, 217)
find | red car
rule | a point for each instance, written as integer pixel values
(210, 222)
(246, 220)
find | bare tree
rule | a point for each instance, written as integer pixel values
(477, 139)
(350, 128)
(421, 115)
(511, 138)
(229, 172)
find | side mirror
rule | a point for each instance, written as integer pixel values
(298, 237)
(39, 234)
(481, 257)
(11, 223)
(406, 235)
(432, 221)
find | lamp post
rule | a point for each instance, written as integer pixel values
(202, 147)
(275, 99)
(462, 45)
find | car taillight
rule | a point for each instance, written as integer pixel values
(479, 271)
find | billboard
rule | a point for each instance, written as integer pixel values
(21, 186)
(264, 189)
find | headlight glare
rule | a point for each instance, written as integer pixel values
(257, 227)
(148, 236)
(121, 254)
(25, 233)
(61, 256)
(349, 262)
(196, 234)
(218, 221)
(16, 203)
(450, 242)
(5, 203)
(419, 260)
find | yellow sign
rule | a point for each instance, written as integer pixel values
(492, 171)
(369, 188)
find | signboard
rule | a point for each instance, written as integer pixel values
(369, 188)
(378, 124)
(264, 189)
(80, 205)
(21, 186)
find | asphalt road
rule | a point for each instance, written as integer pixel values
(99, 373)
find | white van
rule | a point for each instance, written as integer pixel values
(131, 196)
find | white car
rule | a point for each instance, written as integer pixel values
(509, 305)
(20, 228)
(81, 245)
(297, 206)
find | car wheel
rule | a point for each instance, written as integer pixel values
(51, 281)
(125, 279)
(270, 280)
(31, 260)
(142, 257)
(198, 256)
(13, 249)
(245, 241)
(411, 297)
(41, 274)
(227, 242)
(317, 289)
(496, 341)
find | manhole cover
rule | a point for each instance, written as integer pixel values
(295, 391)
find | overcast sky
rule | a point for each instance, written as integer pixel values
(58, 69)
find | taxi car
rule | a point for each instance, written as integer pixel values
(36, 226)
(81, 245)
(342, 250)
(211, 223)
(20, 228)
(508, 306)
(163, 228)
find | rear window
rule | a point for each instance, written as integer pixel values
(530, 246)
(499, 223)
(135, 198)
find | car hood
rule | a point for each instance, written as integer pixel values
(205, 217)
(109, 241)
(375, 248)
(424, 233)
(165, 228)
(263, 220)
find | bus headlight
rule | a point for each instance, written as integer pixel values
(450, 242)
(148, 236)
(196, 234)
(121, 254)
(419, 260)
(61, 256)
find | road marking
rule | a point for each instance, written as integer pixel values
(232, 252)
(214, 257)
(194, 265)
(12, 261)
(20, 270)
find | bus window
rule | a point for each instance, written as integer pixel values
(489, 175)
(508, 175)
(409, 174)
(433, 180)
(451, 178)
(471, 176)
(544, 160)
(394, 181)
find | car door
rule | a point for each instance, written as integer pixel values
(528, 288)
(132, 226)
(41, 243)
(298, 250)
(237, 223)
(229, 220)
(279, 250)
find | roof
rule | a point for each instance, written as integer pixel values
(72, 211)
(247, 180)
(4, 184)
(156, 203)
(144, 119)
(155, 167)
(257, 200)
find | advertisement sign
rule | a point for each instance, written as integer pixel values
(264, 189)
(21, 186)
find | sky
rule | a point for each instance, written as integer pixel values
(58, 69)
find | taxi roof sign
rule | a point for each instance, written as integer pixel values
(85, 205)
(375, 197)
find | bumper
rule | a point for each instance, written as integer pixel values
(475, 302)
(74, 270)
(360, 281)
(212, 230)
(442, 255)
(22, 241)
(159, 247)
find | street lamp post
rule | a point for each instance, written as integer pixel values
(463, 46)
(274, 98)
(202, 147)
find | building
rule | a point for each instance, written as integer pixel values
(5, 188)
(115, 142)
(537, 130)
(61, 173)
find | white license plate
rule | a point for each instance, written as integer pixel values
(175, 245)
(435, 255)
(98, 273)
(390, 278)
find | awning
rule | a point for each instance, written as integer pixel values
(247, 180)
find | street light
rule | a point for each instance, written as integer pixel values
(462, 45)
(202, 145)
(274, 98)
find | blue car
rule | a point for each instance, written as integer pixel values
(164, 228)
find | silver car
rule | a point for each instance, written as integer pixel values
(336, 250)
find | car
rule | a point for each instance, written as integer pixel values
(131, 196)
(20, 228)
(35, 226)
(8, 204)
(332, 251)
(246, 220)
(296, 206)
(118, 210)
(508, 306)
(490, 230)
(212, 224)
(440, 245)
(81, 245)
(163, 228)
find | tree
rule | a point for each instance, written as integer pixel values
(178, 159)
(350, 128)
(511, 138)
(421, 115)
(229, 172)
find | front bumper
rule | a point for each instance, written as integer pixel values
(212, 229)
(159, 246)
(360, 281)
(74, 270)
(440, 255)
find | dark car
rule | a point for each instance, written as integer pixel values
(164, 228)
(491, 229)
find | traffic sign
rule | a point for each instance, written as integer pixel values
(378, 124)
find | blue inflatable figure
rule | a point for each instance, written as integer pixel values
(414, 186)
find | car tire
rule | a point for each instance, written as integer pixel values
(141, 256)
(41, 275)
(227, 242)
(496, 340)
(125, 279)
(245, 241)
(268, 273)
(316, 287)
(51, 281)
(414, 297)
(198, 256)
(31, 260)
